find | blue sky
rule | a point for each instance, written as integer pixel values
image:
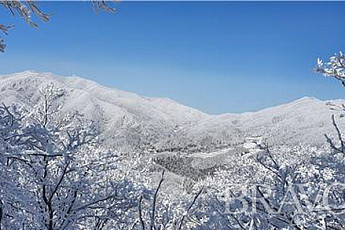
(215, 56)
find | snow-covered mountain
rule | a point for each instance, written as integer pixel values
(134, 123)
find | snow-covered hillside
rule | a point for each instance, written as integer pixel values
(115, 166)
(132, 122)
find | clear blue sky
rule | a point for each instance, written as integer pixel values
(215, 56)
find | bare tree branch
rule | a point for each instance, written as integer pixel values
(142, 223)
(189, 208)
(28, 8)
(153, 212)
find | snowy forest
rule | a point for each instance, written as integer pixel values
(59, 172)
(77, 155)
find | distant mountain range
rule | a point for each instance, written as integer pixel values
(136, 123)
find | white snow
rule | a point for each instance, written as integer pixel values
(129, 119)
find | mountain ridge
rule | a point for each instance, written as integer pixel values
(91, 83)
(133, 122)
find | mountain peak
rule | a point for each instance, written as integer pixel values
(306, 99)
(28, 73)
(166, 123)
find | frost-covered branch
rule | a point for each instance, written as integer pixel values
(28, 9)
(335, 67)
(340, 138)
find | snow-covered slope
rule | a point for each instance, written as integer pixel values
(132, 122)
(305, 120)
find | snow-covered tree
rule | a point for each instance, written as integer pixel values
(55, 175)
(58, 177)
(28, 9)
(14, 199)
(335, 67)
